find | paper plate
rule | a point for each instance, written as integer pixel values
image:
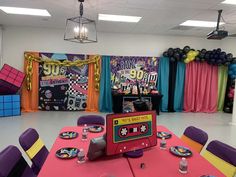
(180, 151)
(67, 153)
(68, 135)
(95, 129)
(165, 135)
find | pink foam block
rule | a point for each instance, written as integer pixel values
(11, 80)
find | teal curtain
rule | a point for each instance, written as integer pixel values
(105, 97)
(179, 87)
(163, 82)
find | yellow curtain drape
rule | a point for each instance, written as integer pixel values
(29, 99)
(93, 95)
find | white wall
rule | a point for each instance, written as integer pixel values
(16, 40)
(229, 45)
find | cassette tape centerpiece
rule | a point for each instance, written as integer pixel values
(130, 131)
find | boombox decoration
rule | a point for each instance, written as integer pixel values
(62, 88)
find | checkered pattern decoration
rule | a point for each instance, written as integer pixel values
(11, 80)
(78, 80)
(9, 105)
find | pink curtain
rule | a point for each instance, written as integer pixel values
(201, 87)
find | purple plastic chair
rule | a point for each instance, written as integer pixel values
(91, 120)
(195, 137)
(12, 164)
(223, 151)
(26, 140)
(222, 156)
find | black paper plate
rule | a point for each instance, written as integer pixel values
(165, 135)
(180, 151)
(95, 129)
(68, 135)
(67, 153)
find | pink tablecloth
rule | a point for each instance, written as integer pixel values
(161, 163)
(54, 167)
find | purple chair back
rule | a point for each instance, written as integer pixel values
(26, 140)
(223, 151)
(12, 164)
(196, 134)
(91, 120)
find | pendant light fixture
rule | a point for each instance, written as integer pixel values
(80, 29)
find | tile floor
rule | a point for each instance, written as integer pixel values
(48, 124)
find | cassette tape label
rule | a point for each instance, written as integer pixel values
(132, 120)
(131, 128)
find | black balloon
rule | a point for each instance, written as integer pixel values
(230, 103)
(234, 61)
(229, 57)
(184, 57)
(207, 55)
(197, 59)
(216, 56)
(172, 59)
(202, 55)
(213, 57)
(177, 56)
(186, 49)
(222, 55)
(165, 54)
(227, 109)
(218, 62)
(203, 51)
(227, 63)
(218, 51)
(170, 52)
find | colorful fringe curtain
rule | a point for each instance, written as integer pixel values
(222, 83)
(93, 95)
(105, 97)
(201, 87)
(163, 84)
(179, 87)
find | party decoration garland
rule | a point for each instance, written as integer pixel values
(29, 68)
(213, 57)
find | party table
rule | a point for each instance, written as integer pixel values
(157, 162)
(55, 167)
(161, 163)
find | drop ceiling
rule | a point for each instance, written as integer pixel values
(158, 16)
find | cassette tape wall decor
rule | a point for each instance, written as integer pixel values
(11, 80)
(9, 105)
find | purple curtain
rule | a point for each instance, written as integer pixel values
(201, 88)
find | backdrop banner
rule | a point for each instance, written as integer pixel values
(126, 69)
(62, 88)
